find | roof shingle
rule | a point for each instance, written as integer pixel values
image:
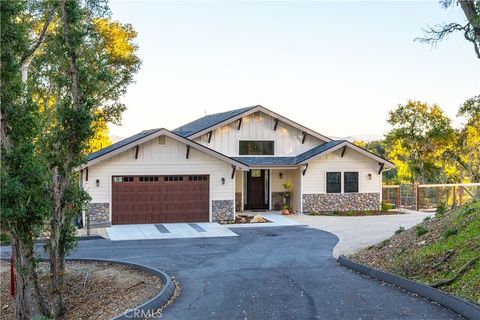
(208, 121)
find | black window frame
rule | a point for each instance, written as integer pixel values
(245, 147)
(334, 187)
(349, 186)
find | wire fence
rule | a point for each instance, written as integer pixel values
(430, 196)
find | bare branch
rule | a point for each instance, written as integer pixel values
(40, 39)
(435, 34)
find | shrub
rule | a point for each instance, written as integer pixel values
(350, 213)
(427, 218)
(420, 230)
(314, 213)
(4, 239)
(400, 230)
(336, 213)
(384, 243)
(449, 232)
(385, 206)
(442, 208)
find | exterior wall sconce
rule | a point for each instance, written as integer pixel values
(280, 175)
(223, 180)
(369, 176)
(97, 182)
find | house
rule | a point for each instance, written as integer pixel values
(208, 169)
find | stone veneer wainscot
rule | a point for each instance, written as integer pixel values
(341, 202)
(99, 214)
(223, 210)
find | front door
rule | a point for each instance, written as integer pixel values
(257, 189)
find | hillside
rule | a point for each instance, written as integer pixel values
(443, 251)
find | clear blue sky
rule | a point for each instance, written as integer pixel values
(336, 67)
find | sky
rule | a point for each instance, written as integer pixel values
(335, 67)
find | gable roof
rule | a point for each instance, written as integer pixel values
(310, 154)
(121, 143)
(203, 125)
(147, 135)
(267, 161)
(335, 145)
(208, 121)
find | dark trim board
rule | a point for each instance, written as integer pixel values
(458, 305)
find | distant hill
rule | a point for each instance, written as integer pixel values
(116, 138)
(362, 137)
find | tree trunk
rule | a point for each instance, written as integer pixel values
(55, 248)
(28, 301)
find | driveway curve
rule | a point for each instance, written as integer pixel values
(265, 273)
(360, 232)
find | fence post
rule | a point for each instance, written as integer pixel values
(398, 197)
(460, 195)
(417, 202)
(454, 197)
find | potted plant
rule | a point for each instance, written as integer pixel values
(286, 195)
(285, 210)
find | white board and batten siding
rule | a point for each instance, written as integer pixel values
(155, 159)
(259, 126)
(314, 180)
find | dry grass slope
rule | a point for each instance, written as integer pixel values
(443, 251)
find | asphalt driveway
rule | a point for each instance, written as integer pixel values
(265, 273)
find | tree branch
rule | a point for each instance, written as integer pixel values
(72, 58)
(40, 39)
(437, 33)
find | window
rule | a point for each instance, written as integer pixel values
(334, 182)
(350, 182)
(148, 178)
(173, 178)
(122, 179)
(197, 178)
(256, 148)
(162, 140)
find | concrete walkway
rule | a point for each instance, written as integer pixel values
(356, 233)
(168, 231)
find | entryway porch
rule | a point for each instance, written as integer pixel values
(261, 189)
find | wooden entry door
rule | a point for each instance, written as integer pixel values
(159, 199)
(257, 189)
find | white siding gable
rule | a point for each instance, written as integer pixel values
(314, 180)
(155, 159)
(259, 126)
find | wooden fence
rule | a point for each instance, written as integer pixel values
(429, 196)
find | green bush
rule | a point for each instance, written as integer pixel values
(384, 243)
(399, 230)
(420, 230)
(427, 218)
(336, 213)
(314, 213)
(442, 208)
(350, 213)
(450, 232)
(5, 239)
(385, 206)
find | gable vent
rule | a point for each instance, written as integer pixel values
(162, 140)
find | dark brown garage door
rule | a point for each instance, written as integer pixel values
(158, 199)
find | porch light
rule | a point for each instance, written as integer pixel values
(223, 180)
(97, 182)
(280, 175)
(369, 176)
